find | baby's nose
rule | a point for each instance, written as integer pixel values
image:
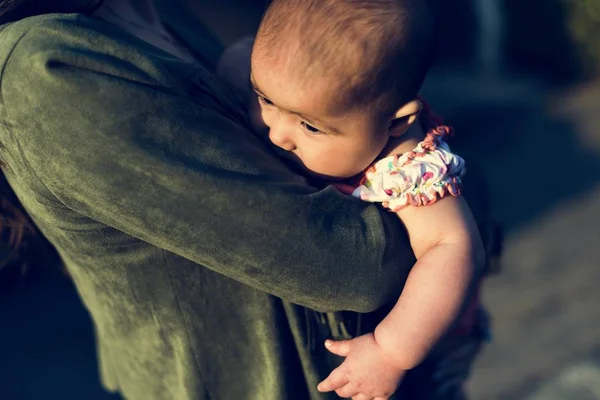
(282, 138)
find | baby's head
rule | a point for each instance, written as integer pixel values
(337, 78)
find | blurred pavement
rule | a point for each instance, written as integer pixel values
(540, 150)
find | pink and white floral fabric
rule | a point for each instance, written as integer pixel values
(418, 178)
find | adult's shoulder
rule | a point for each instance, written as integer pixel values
(48, 30)
(30, 46)
(72, 85)
(76, 90)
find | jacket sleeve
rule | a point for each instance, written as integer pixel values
(114, 135)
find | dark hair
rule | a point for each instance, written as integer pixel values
(14, 10)
(17, 231)
(7, 6)
(387, 45)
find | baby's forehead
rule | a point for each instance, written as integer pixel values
(294, 62)
(380, 49)
(326, 93)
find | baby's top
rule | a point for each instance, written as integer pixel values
(418, 178)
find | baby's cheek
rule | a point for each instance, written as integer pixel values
(338, 165)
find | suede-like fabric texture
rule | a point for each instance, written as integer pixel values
(182, 231)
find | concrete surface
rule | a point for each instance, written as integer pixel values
(580, 381)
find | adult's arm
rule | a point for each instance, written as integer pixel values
(113, 133)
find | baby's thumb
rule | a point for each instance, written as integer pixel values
(338, 347)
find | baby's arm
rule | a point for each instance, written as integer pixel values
(446, 242)
(449, 253)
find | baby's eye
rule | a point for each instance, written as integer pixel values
(311, 129)
(264, 101)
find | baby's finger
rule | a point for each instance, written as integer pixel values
(336, 379)
(338, 347)
(347, 391)
(362, 396)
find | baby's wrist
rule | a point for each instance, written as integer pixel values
(393, 350)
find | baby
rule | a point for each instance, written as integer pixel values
(336, 85)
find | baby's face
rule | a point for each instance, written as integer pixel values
(305, 119)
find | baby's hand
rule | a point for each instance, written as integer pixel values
(365, 374)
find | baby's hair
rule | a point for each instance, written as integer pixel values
(378, 50)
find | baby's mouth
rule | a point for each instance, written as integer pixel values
(290, 159)
(294, 162)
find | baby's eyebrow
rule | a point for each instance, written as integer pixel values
(254, 87)
(329, 128)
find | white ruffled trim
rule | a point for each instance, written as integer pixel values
(401, 181)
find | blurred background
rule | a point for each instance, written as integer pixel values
(520, 82)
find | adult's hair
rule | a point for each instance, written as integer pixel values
(14, 10)
(17, 231)
(10, 5)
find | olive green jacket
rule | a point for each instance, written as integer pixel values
(193, 247)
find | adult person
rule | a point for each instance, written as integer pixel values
(199, 255)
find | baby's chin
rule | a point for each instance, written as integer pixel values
(323, 176)
(327, 177)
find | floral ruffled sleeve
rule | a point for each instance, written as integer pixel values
(418, 178)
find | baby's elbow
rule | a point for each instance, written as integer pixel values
(471, 246)
(479, 257)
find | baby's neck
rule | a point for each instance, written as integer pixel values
(405, 143)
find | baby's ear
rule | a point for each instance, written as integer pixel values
(404, 117)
